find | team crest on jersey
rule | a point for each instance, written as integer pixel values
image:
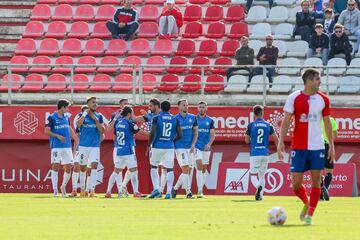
(190, 120)
(303, 118)
(207, 123)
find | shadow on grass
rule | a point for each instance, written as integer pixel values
(285, 225)
(246, 200)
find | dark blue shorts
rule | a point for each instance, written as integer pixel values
(303, 160)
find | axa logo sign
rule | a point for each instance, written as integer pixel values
(237, 180)
(26, 122)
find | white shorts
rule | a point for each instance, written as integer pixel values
(183, 157)
(62, 155)
(258, 163)
(163, 157)
(87, 155)
(203, 155)
(128, 161)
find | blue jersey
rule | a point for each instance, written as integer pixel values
(187, 124)
(61, 126)
(205, 124)
(124, 136)
(89, 134)
(149, 119)
(166, 130)
(259, 132)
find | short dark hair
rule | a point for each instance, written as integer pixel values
(258, 110)
(328, 10)
(155, 101)
(165, 106)
(181, 100)
(310, 73)
(63, 103)
(123, 100)
(304, 1)
(126, 110)
(202, 102)
(84, 107)
(88, 99)
(338, 25)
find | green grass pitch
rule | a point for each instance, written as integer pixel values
(40, 216)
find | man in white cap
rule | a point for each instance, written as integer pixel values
(170, 21)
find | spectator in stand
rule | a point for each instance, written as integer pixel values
(244, 56)
(125, 21)
(305, 22)
(171, 19)
(328, 22)
(339, 6)
(319, 44)
(350, 19)
(339, 43)
(267, 55)
(250, 2)
(318, 7)
(328, 4)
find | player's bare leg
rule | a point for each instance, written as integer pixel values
(93, 178)
(112, 180)
(300, 191)
(326, 184)
(66, 178)
(54, 177)
(199, 177)
(75, 179)
(163, 179)
(82, 180)
(124, 183)
(314, 195)
(205, 166)
(135, 182)
(169, 183)
(88, 182)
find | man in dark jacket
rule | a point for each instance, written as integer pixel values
(339, 43)
(305, 22)
(319, 44)
(125, 21)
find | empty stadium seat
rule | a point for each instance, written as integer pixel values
(213, 14)
(260, 30)
(19, 60)
(109, 60)
(62, 12)
(278, 14)
(94, 47)
(68, 1)
(139, 47)
(100, 83)
(46, 1)
(281, 46)
(289, 70)
(281, 84)
(43, 60)
(207, 48)
(89, 1)
(116, 47)
(198, 1)
(222, 2)
(292, 14)
(313, 62)
(162, 47)
(67, 60)
(349, 84)
(34, 29)
(123, 83)
(154, 2)
(297, 83)
(354, 70)
(214, 83)
(87, 64)
(297, 49)
(135, 60)
(229, 48)
(180, 2)
(149, 13)
(79, 30)
(71, 47)
(199, 61)
(237, 83)
(25, 46)
(256, 45)
(193, 30)
(257, 84)
(192, 13)
(33, 83)
(283, 31)
(330, 82)
(169, 83)
(256, 14)
(81, 82)
(221, 61)
(185, 48)
(337, 66)
(235, 14)
(49, 46)
(105, 12)
(192, 83)
(155, 60)
(56, 29)
(116, 2)
(41, 12)
(16, 81)
(56, 83)
(100, 30)
(177, 61)
(238, 30)
(148, 30)
(148, 82)
(216, 30)
(84, 13)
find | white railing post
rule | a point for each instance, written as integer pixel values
(202, 82)
(327, 81)
(264, 85)
(134, 84)
(72, 83)
(9, 84)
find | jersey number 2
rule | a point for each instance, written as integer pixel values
(260, 136)
(166, 129)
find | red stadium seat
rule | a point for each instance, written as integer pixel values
(34, 29)
(222, 2)
(87, 63)
(55, 83)
(177, 61)
(169, 83)
(238, 30)
(123, 83)
(63, 12)
(15, 82)
(43, 60)
(63, 60)
(25, 46)
(94, 47)
(137, 2)
(221, 61)
(192, 83)
(185, 48)
(139, 47)
(105, 12)
(213, 14)
(229, 48)
(148, 82)
(41, 12)
(19, 60)
(68, 1)
(56, 29)
(192, 13)
(71, 47)
(162, 47)
(84, 13)
(116, 47)
(116, 2)
(79, 30)
(154, 2)
(89, 1)
(214, 83)
(207, 48)
(235, 13)
(148, 30)
(131, 60)
(198, 1)
(193, 30)
(46, 1)
(155, 60)
(81, 82)
(100, 30)
(109, 60)
(101, 82)
(180, 2)
(49, 46)
(149, 13)
(216, 30)
(199, 61)
(33, 83)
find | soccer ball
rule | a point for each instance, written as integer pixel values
(276, 216)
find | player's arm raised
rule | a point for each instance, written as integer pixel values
(329, 134)
(99, 122)
(48, 131)
(112, 122)
(284, 129)
(80, 121)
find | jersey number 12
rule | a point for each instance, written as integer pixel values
(166, 129)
